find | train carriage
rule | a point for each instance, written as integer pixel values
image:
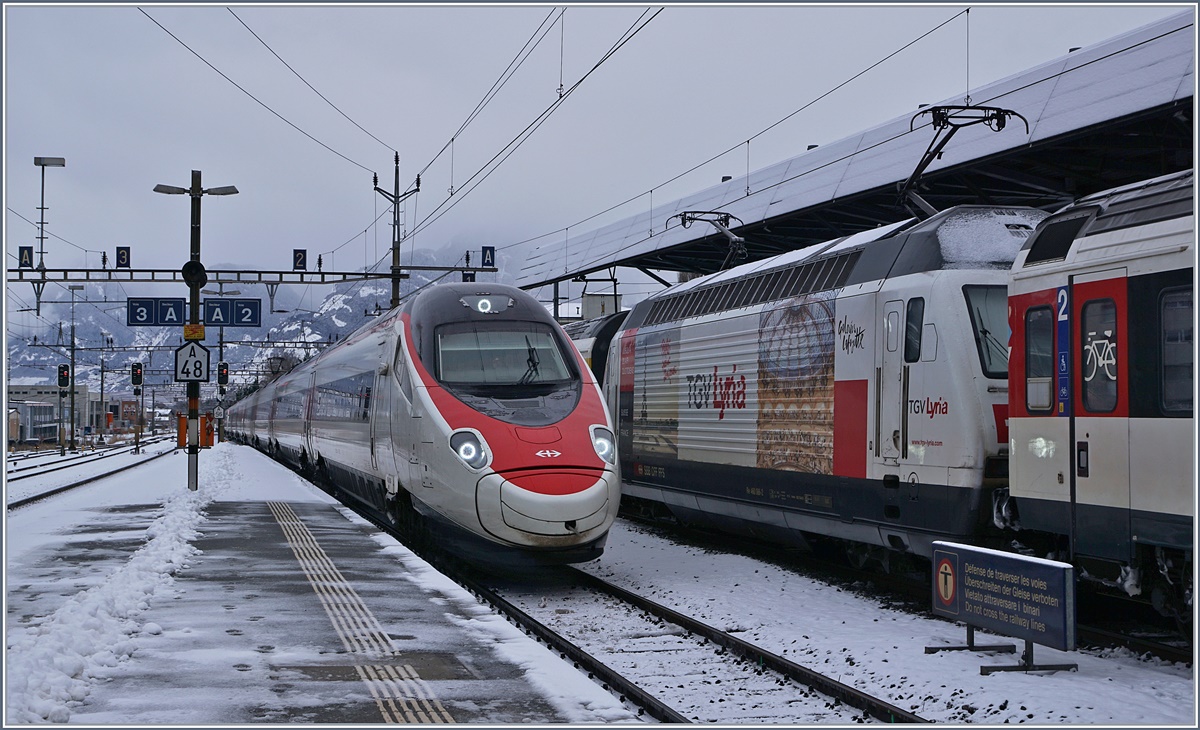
(1101, 423)
(465, 416)
(854, 390)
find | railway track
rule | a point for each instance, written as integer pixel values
(734, 658)
(723, 659)
(34, 470)
(25, 501)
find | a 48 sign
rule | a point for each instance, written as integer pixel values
(191, 363)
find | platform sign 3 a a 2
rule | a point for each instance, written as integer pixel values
(192, 363)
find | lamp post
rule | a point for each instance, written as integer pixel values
(74, 416)
(38, 286)
(193, 274)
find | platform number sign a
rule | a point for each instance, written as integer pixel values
(191, 363)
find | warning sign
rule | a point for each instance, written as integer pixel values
(945, 583)
(1010, 594)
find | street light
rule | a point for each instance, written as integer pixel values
(74, 416)
(38, 286)
(193, 274)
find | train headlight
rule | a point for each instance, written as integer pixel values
(606, 446)
(470, 448)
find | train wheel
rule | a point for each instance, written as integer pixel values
(409, 525)
(858, 555)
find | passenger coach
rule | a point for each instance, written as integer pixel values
(1101, 406)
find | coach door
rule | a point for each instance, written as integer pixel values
(889, 385)
(1100, 414)
(377, 400)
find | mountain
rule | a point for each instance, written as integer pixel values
(290, 333)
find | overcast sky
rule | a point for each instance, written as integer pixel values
(134, 96)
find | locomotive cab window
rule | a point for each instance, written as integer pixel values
(1178, 351)
(1039, 358)
(1098, 337)
(503, 352)
(988, 307)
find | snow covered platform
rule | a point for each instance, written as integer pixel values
(255, 599)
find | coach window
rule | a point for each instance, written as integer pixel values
(1039, 358)
(1178, 352)
(914, 324)
(1098, 336)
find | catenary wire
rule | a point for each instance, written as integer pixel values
(753, 137)
(314, 90)
(252, 96)
(492, 164)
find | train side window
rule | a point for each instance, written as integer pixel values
(914, 326)
(1098, 336)
(1039, 358)
(401, 372)
(1178, 352)
(929, 343)
(892, 326)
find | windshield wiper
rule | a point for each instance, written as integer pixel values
(993, 341)
(532, 361)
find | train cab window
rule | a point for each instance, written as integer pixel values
(988, 308)
(914, 327)
(1039, 359)
(1178, 350)
(499, 353)
(1098, 336)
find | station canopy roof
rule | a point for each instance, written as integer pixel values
(1102, 116)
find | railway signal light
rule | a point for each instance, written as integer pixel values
(222, 373)
(135, 374)
(64, 376)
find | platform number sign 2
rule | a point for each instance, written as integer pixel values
(299, 259)
(191, 363)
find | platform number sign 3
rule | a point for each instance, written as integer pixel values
(192, 363)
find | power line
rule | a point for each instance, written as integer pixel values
(753, 137)
(505, 152)
(314, 90)
(252, 96)
(498, 84)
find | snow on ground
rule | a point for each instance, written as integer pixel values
(90, 622)
(880, 650)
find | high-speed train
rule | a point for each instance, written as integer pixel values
(856, 389)
(1102, 374)
(465, 415)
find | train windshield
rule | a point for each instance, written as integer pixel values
(499, 353)
(988, 306)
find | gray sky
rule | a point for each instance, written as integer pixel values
(129, 107)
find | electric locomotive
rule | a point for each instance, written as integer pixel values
(1102, 428)
(465, 416)
(854, 390)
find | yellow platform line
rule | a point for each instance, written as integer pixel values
(399, 692)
